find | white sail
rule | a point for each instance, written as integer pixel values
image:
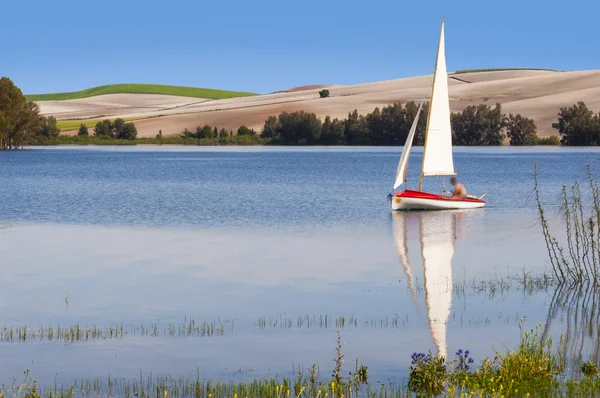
(437, 249)
(400, 239)
(403, 163)
(437, 155)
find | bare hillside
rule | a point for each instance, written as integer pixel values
(535, 94)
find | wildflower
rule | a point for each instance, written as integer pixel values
(471, 360)
(467, 352)
(165, 393)
(459, 352)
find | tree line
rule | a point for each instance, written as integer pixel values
(21, 125)
(475, 125)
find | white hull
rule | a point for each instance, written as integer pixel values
(433, 204)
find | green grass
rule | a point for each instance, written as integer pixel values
(458, 72)
(73, 124)
(140, 89)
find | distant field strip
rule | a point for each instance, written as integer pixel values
(74, 124)
(498, 70)
(182, 91)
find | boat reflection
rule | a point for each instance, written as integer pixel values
(438, 232)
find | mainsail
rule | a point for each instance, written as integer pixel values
(403, 163)
(437, 249)
(437, 154)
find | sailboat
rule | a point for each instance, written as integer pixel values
(437, 233)
(437, 151)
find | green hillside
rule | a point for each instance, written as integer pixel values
(140, 89)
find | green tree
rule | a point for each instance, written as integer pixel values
(48, 127)
(19, 118)
(83, 130)
(377, 133)
(243, 130)
(104, 129)
(520, 130)
(478, 125)
(204, 132)
(299, 128)
(270, 130)
(187, 134)
(117, 127)
(223, 133)
(324, 93)
(332, 132)
(127, 132)
(356, 129)
(578, 125)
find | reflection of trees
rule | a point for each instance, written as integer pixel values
(578, 306)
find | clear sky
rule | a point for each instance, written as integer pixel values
(266, 45)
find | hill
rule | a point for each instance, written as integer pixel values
(537, 94)
(181, 91)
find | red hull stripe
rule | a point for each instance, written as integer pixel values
(425, 195)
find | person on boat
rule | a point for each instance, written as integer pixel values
(459, 189)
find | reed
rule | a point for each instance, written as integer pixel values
(580, 211)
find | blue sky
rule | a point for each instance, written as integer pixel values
(264, 46)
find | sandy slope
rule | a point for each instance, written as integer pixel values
(536, 94)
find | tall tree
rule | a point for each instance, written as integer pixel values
(478, 125)
(332, 132)
(127, 132)
(520, 130)
(204, 132)
(356, 129)
(48, 127)
(578, 125)
(271, 129)
(104, 128)
(299, 128)
(19, 118)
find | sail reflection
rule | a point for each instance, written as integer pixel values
(437, 237)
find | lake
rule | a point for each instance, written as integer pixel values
(269, 251)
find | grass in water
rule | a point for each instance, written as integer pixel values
(580, 262)
(183, 91)
(530, 370)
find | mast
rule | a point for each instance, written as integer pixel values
(430, 103)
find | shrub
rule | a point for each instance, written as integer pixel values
(427, 374)
(324, 93)
(83, 130)
(552, 140)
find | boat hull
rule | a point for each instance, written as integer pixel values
(415, 200)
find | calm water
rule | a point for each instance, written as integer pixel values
(137, 236)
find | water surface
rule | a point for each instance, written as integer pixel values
(156, 235)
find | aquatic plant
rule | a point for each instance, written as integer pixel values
(28, 388)
(581, 216)
(589, 368)
(427, 374)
